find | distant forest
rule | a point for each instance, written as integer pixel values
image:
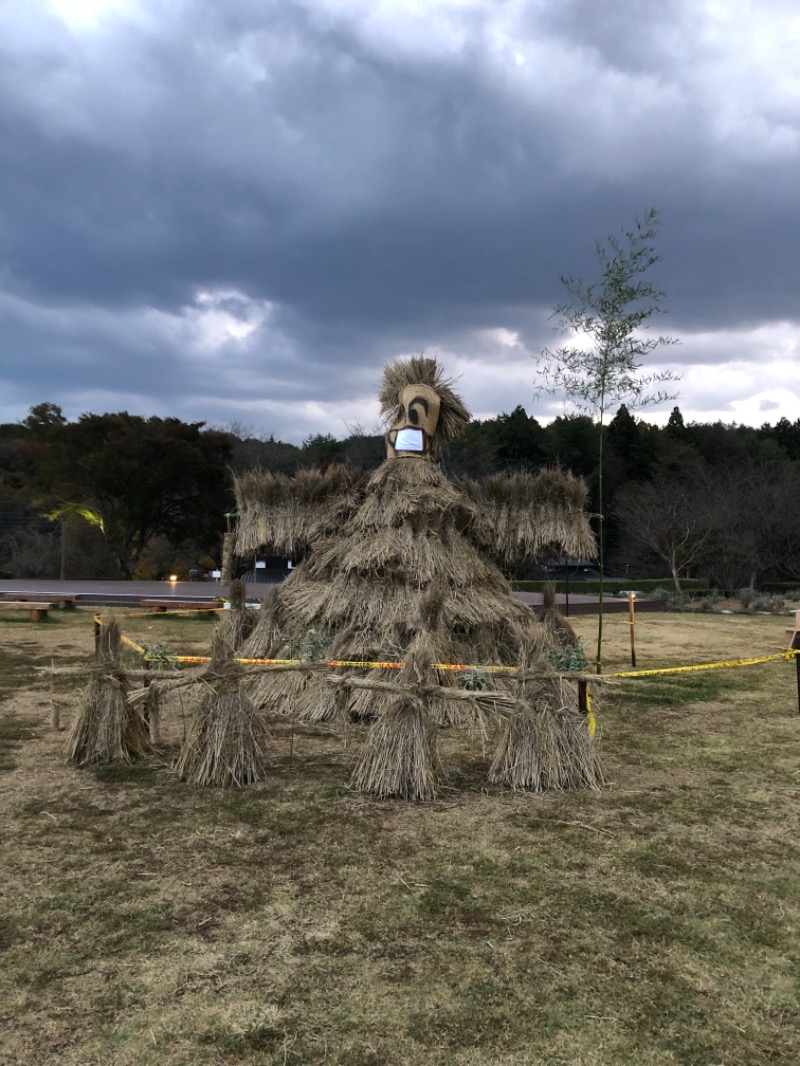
(118, 495)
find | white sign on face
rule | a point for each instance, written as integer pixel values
(409, 440)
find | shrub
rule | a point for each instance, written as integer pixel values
(746, 596)
(477, 680)
(612, 586)
(571, 657)
(773, 604)
(669, 599)
(705, 603)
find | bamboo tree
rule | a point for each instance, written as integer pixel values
(612, 314)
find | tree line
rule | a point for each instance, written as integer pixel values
(714, 500)
(119, 495)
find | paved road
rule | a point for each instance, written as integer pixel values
(110, 592)
(131, 592)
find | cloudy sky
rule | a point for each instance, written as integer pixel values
(238, 210)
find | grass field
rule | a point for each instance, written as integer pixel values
(146, 922)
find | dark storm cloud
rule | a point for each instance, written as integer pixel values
(383, 183)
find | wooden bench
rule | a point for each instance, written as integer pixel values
(793, 635)
(36, 610)
(162, 606)
(54, 599)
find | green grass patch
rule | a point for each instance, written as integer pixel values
(22, 618)
(204, 618)
(136, 774)
(13, 732)
(677, 690)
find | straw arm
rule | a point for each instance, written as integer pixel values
(528, 516)
(280, 515)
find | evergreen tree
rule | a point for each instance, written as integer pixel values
(675, 426)
(518, 440)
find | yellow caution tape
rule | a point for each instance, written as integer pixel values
(366, 665)
(591, 721)
(369, 665)
(785, 655)
(434, 666)
(135, 647)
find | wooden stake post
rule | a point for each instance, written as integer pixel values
(632, 620)
(583, 701)
(793, 640)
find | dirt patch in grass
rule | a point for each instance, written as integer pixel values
(146, 922)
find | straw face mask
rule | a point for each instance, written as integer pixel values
(413, 430)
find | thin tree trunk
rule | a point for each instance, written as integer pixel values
(601, 545)
(63, 570)
(675, 578)
(119, 559)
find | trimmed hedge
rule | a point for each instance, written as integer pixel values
(612, 586)
(779, 586)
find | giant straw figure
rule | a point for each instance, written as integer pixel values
(400, 566)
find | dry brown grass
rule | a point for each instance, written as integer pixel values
(149, 923)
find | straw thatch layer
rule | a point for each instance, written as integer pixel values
(365, 594)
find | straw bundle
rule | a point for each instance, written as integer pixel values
(108, 727)
(554, 620)
(546, 748)
(545, 743)
(237, 623)
(225, 745)
(399, 758)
